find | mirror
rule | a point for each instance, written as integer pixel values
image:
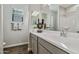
(56, 17)
(47, 12)
(69, 17)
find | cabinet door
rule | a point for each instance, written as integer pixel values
(42, 50)
(34, 46)
(34, 43)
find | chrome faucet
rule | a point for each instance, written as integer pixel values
(64, 32)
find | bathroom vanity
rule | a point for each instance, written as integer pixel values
(41, 46)
(50, 42)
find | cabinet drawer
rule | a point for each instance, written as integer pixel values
(53, 49)
(42, 50)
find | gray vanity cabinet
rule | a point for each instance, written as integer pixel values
(42, 46)
(33, 43)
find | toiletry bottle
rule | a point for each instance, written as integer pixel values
(44, 25)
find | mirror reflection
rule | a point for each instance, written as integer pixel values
(48, 13)
(56, 17)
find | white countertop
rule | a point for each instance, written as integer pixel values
(68, 44)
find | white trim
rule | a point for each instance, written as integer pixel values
(1, 29)
(7, 46)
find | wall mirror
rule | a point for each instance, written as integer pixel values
(57, 17)
(69, 17)
(47, 12)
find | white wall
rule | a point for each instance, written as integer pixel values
(1, 31)
(15, 37)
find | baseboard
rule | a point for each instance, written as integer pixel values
(7, 46)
